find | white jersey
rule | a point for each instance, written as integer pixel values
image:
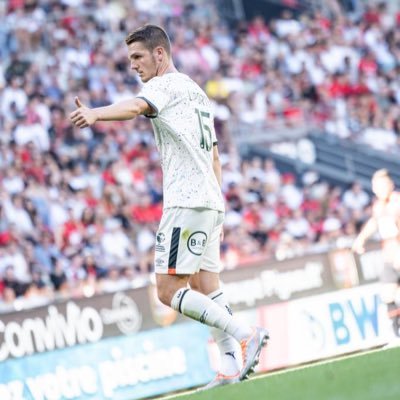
(184, 132)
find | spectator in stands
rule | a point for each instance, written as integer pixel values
(116, 245)
(291, 195)
(58, 277)
(271, 176)
(355, 198)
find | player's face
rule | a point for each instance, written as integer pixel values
(142, 61)
(382, 187)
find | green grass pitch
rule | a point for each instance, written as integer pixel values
(374, 375)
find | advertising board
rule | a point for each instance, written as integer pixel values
(122, 368)
(322, 326)
(74, 322)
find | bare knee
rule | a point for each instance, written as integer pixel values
(168, 285)
(165, 295)
(205, 282)
(208, 282)
(194, 282)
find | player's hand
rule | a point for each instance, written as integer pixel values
(83, 116)
(358, 247)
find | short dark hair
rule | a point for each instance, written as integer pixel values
(151, 36)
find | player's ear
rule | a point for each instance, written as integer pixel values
(159, 53)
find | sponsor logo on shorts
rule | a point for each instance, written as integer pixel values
(159, 262)
(197, 242)
(160, 238)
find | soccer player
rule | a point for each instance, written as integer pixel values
(188, 238)
(386, 220)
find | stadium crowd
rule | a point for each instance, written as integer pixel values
(79, 208)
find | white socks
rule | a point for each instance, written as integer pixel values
(201, 308)
(229, 348)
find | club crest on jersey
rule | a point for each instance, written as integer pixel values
(197, 242)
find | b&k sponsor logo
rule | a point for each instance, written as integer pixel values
(197, 242)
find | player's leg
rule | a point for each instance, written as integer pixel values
(229, 348)
(389, 292)
(207, 282)
(173, 291)
(184, 233)
(210, 284)
(201, 308)
(389, 295)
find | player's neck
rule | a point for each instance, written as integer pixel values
(166, 69)
(386, 199)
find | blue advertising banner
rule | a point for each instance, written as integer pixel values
(121, 368)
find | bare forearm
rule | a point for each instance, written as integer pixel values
(368, 230)
(121, 111)
(84, 116)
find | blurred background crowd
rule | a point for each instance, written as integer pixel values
(79, 208)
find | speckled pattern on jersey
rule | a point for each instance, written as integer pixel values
(184, 133)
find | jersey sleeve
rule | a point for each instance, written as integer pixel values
(156, 94)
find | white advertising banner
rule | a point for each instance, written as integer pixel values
(322, 326)
(336, 323)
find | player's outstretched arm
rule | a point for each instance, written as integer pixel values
(367, 231)
(84, 116)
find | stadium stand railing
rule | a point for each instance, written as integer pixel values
(338, 161)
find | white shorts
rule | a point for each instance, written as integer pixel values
(188, 239)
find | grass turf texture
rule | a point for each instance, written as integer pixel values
(368, 376)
